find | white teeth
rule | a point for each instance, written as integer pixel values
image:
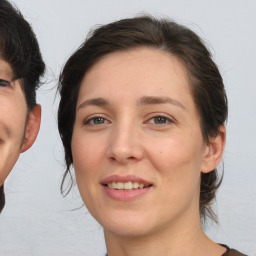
(125, 185)
(120, 185)
(128, 185)
(111, 185)
(136, 185)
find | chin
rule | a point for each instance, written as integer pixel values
(126, 223)
(127, 230)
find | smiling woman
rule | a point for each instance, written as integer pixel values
(141, 118)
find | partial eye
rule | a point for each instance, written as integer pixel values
(4, 83)
(160, 120)
(95, 120)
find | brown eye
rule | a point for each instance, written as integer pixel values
(4, 83)
(160, 120)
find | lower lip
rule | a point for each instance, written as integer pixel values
(125, 195)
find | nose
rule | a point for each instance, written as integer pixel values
(125, 145)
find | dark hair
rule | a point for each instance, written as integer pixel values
(2, 197)
(19, 48)
(206, 82)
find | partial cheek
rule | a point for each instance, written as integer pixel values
(177, 162)
(81, 172)
(84, 166)
(170, 154)
(83, 156)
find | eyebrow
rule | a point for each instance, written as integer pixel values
(145, 100)
(151, 100)
(95, 102)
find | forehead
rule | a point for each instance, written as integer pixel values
(6, 71)
(139, 70)
(143, 57)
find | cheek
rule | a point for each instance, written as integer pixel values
(178, 161)
(87, 154)
(176, 151)
(179, 170)
(13, 113)
(14, 119)
(13, 116)
(88, 161)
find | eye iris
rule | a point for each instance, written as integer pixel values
(160, 120)
(98, 120)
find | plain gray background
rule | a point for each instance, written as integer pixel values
(37, 220)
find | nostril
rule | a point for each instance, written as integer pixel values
(112, 158)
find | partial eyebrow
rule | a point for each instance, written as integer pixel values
(94, 102)
(148, 100)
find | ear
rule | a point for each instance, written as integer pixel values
(214, 151)
(32, 128)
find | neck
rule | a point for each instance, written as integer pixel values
(189, 241)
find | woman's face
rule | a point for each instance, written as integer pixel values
(13, 113)
(137, 146)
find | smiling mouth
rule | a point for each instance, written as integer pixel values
(126, 185)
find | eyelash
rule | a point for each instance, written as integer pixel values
(4, 83)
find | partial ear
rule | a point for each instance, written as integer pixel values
(214, 151)
(32, 128)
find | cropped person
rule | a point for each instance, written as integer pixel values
(142, 120)
(21, 66)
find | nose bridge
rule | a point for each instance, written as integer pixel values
(125, 143)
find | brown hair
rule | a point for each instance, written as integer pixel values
(206, 82)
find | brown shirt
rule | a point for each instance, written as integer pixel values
(229, 252)
(232, 252)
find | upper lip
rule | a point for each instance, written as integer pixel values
(126, 178)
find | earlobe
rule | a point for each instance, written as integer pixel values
(32, 128)
(214, 151)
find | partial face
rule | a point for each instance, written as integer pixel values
(137, 146)
(13, 114)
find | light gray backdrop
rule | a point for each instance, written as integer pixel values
(37, 220)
